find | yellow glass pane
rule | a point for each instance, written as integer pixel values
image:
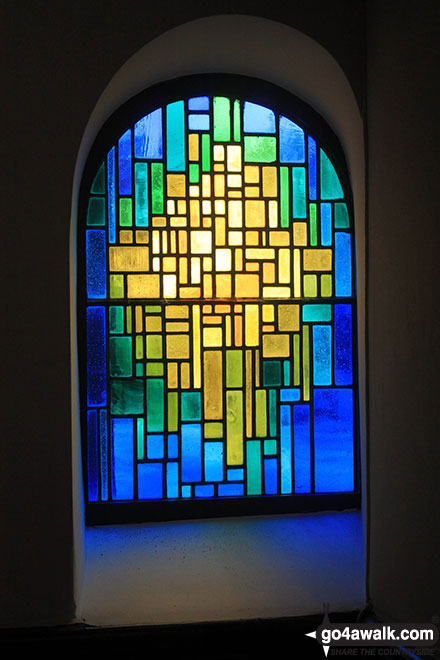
(206, 207)
(155, 242)
(234, 181)
(268, 328)
(184, 375)
(207, 222)
(138, 319)
(252, 267)
(235, 238)
(268, 273)
(300, 233)
(159, 222)
(169, 286)
(213, 384)
(194, 212)
(252, 174)
(234, 158)
(139, 347)
(277, 292)
(172, 374)
(254, 213)
(153, 324)
(219, 152)
(223, 309)
(169, 264)
(247, 285)
(195, 270)
(201, 242)
(234, 427)
(128, 258)
(154, 346)
(171, 207)
(126, 236)
(219, 167)
(326, 285)
(207, 286)
(252, 237)
(223, 260)
(143, 286)
(142, 236)
(260, 253)
(223, 286)
(235, 193)
(181, 206)
(212, 337)
(197, 365)
(252, 191)
(270, 183)
(288, 318)
(296, 273)
(220, 231)
(251, 325)
(177, 346)
(176, 185)
(183, 241)
(273, 213)
(219, 185)
(228, 331)
(284, 266)
(194, 191)
(173, 244)
(207, 263)
(310, 286)
(177, 326)
(276, 345)
(212, 320)
(189, 292)
(235, 213)
(220, 207)
(268, 313)
(183, 270)
(177, 311)
(317, 259)
(260, 414)
(193, 146)
(206, 185)
(238, 330)
(238, 259)
(279, 238)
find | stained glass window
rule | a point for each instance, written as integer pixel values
(218, 311)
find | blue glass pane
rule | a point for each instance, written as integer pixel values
(286, 449)
(96, 357)
(326, 224)
(312, 167)
(148, 136)
(96, 263)
(292, 143)
(204, 491)
(176, 137)
(172, 480)
(124, 158)
(322, 355)
(301, 425)
(173, 446)
(111, 193)
(333, 425)
(150, 486)
(198, 103)
(122, 458)
(270, 476)
(103, 449)
(92, 456)
(191, 452)
(214, 461)
(230, 490)
(235, 474)
(343, 345)
(291, 394)
(258, 119)
(155, 446)
(198, 122)
(342, 264)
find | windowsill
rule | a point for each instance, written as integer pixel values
(224, 569)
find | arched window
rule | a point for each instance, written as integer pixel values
(216, 307)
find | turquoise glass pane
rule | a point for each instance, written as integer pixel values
(141, 194)
(121, 356)
(96, 212)
(155, 404)
(176, 137)
(191, 406)
(330, 185)
(299, 202)
(316, 313)
(322, 355)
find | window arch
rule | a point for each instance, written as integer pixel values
(218, 370)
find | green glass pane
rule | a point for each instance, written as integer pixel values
(96, 212)
(139, 369)
(296, 360)
(194, 174)
(191, 406)
(253, 459)
(213, 430)
(157, 187)
(116, 286)
(237, 121)
(260, 149)
(284, 196)
(313, 225)
(125, 212)
(260, 413)
(341, 216)
(173, 409)
(153, 309)
(140, 438)
(330, 185)
(98, 185)
(154, 347)
(116, 320)
(120, 356)
(272, 412)
(234, 369)
(326, 285)
(127, 397)
(155, 404)
(206, 152)
(222, 119)
(154, 369)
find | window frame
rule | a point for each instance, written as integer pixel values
(284, 102)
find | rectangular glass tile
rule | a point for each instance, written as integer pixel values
(253, 461)
(96, 356)
(299, 207)
(343, 264)
(141, 194)
(150, 481)
(292, 144)
(122, 480)
(213, 461)
(124, 162)
(301, 445)
(270, 476)
(96, 263)
(155, 404)
(191, 462)
(286, 448)
(111, 194)
(148, 136)
(222, 119)
(343, 345)
(322, 355)
(92, 456)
